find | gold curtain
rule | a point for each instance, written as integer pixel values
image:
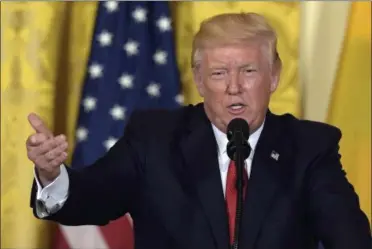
(284, 17)
(44, 46)
(350, 107)
(322, 33)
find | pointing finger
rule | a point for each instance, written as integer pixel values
(48, 145)
(36, 139)
(38, 125)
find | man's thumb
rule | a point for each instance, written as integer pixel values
(38, 125)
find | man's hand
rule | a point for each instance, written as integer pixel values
(46, 151)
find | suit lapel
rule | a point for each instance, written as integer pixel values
(267, 177)
(199, 149)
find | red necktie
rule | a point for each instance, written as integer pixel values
(232, 195)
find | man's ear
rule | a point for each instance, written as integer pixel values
(274, 83)
(275, 77)
(198, 79)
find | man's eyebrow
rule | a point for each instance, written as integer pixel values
(253, 64)
(225, 66)
(218, 67)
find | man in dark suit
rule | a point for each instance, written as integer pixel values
(171, 172)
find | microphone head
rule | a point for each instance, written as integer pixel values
(237, 125)
(238, 134)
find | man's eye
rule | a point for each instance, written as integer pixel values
(250, 70)
(218, 73)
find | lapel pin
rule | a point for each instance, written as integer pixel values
(274, 155)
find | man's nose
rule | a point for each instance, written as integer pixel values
(233, 86)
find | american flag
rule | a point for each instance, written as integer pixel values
(132, 65)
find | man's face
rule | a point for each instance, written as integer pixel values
(236, 81)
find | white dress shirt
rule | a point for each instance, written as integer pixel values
(52, 197)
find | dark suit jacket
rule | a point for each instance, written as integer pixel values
(164, 172)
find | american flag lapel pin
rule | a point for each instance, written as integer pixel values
(274, 155)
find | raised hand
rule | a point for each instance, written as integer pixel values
(45, 150)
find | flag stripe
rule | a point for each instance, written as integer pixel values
(84, 237)
(118, 233)
(60, 241)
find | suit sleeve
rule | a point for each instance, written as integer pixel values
(104, 191)
(333, 203)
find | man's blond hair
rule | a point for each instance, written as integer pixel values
(235, 28)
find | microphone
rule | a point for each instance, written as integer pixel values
(238, 150)
(238, 134)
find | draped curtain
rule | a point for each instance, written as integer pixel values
(44, 50)
(350, 102)
(335, 73)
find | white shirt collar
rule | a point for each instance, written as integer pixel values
(222, 140)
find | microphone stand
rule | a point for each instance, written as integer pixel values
(242, 151)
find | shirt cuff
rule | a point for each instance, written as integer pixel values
(52, 197)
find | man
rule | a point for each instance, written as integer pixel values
(171, 172)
